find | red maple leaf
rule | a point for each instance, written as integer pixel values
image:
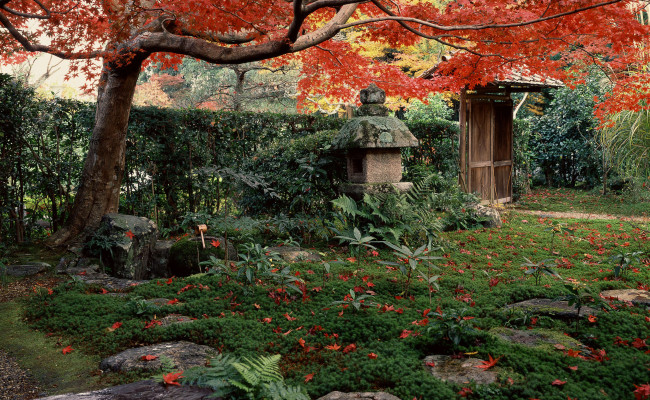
(349, 348)
(130, 235)
(114, 326)
(148, 357)
(558, 382)
(464, 392)
(488, 364)
(215, 243)
(334, 347)
(372, 356)
(301, 342)
(267, 320)
(67, 350)
(642, 392)
(172, 302)
(309, 377)
(288, 317)
(405, 333)
(172, 378)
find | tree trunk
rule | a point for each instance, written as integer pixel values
(99, 190)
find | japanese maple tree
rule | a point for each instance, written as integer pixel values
(489, 36)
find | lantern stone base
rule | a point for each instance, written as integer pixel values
(357, 190)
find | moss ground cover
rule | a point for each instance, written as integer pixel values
(329, 346)
(580, 201)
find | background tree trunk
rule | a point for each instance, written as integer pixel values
(99, 190)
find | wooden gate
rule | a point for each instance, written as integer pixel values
(486, 147)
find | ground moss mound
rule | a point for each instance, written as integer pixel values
(186, 254)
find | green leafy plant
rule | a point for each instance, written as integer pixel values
(256, 260)
(579, 296)
(140, 307)
(558, 229)
(102, 243)
(356, 243)
(215, 265)
(355, 301)
(452, 325)
(544, 267)
(287, 280)
(409, 260)
(623, 261)
(257, 378)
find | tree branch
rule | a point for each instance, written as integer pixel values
(27, 45)
(475, 27)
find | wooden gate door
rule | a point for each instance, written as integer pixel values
(490, 150)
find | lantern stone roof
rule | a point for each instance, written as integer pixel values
(373, 128)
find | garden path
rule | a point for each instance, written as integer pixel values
(577, 215)
(17, 383)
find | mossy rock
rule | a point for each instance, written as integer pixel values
(541, 339)
(186, 254)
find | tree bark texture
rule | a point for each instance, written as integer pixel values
(99, 191)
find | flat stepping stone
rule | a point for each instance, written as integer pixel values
(27, 269)
(359, 396)
(91, 275)
(142, 390)
(552, 308)
(545, 339)
(172, 319)
(295, 254)
(459, 370)
(183, 355)
(635, 296)
(158, 302)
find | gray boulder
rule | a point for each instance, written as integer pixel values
(491, 217)
(183, 355)
(294, 254)
(142, 390)
(133, 240)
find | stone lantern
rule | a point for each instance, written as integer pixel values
(372, 142)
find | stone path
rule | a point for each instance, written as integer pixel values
(15, 383)
(576, 215)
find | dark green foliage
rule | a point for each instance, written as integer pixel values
(232, 378)
(185, 256)
(303, 172)
(438, 150)
(563, 139)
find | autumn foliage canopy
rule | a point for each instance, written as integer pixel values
(557, 38)
(326, 39)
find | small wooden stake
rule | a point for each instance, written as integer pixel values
(202, 228)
